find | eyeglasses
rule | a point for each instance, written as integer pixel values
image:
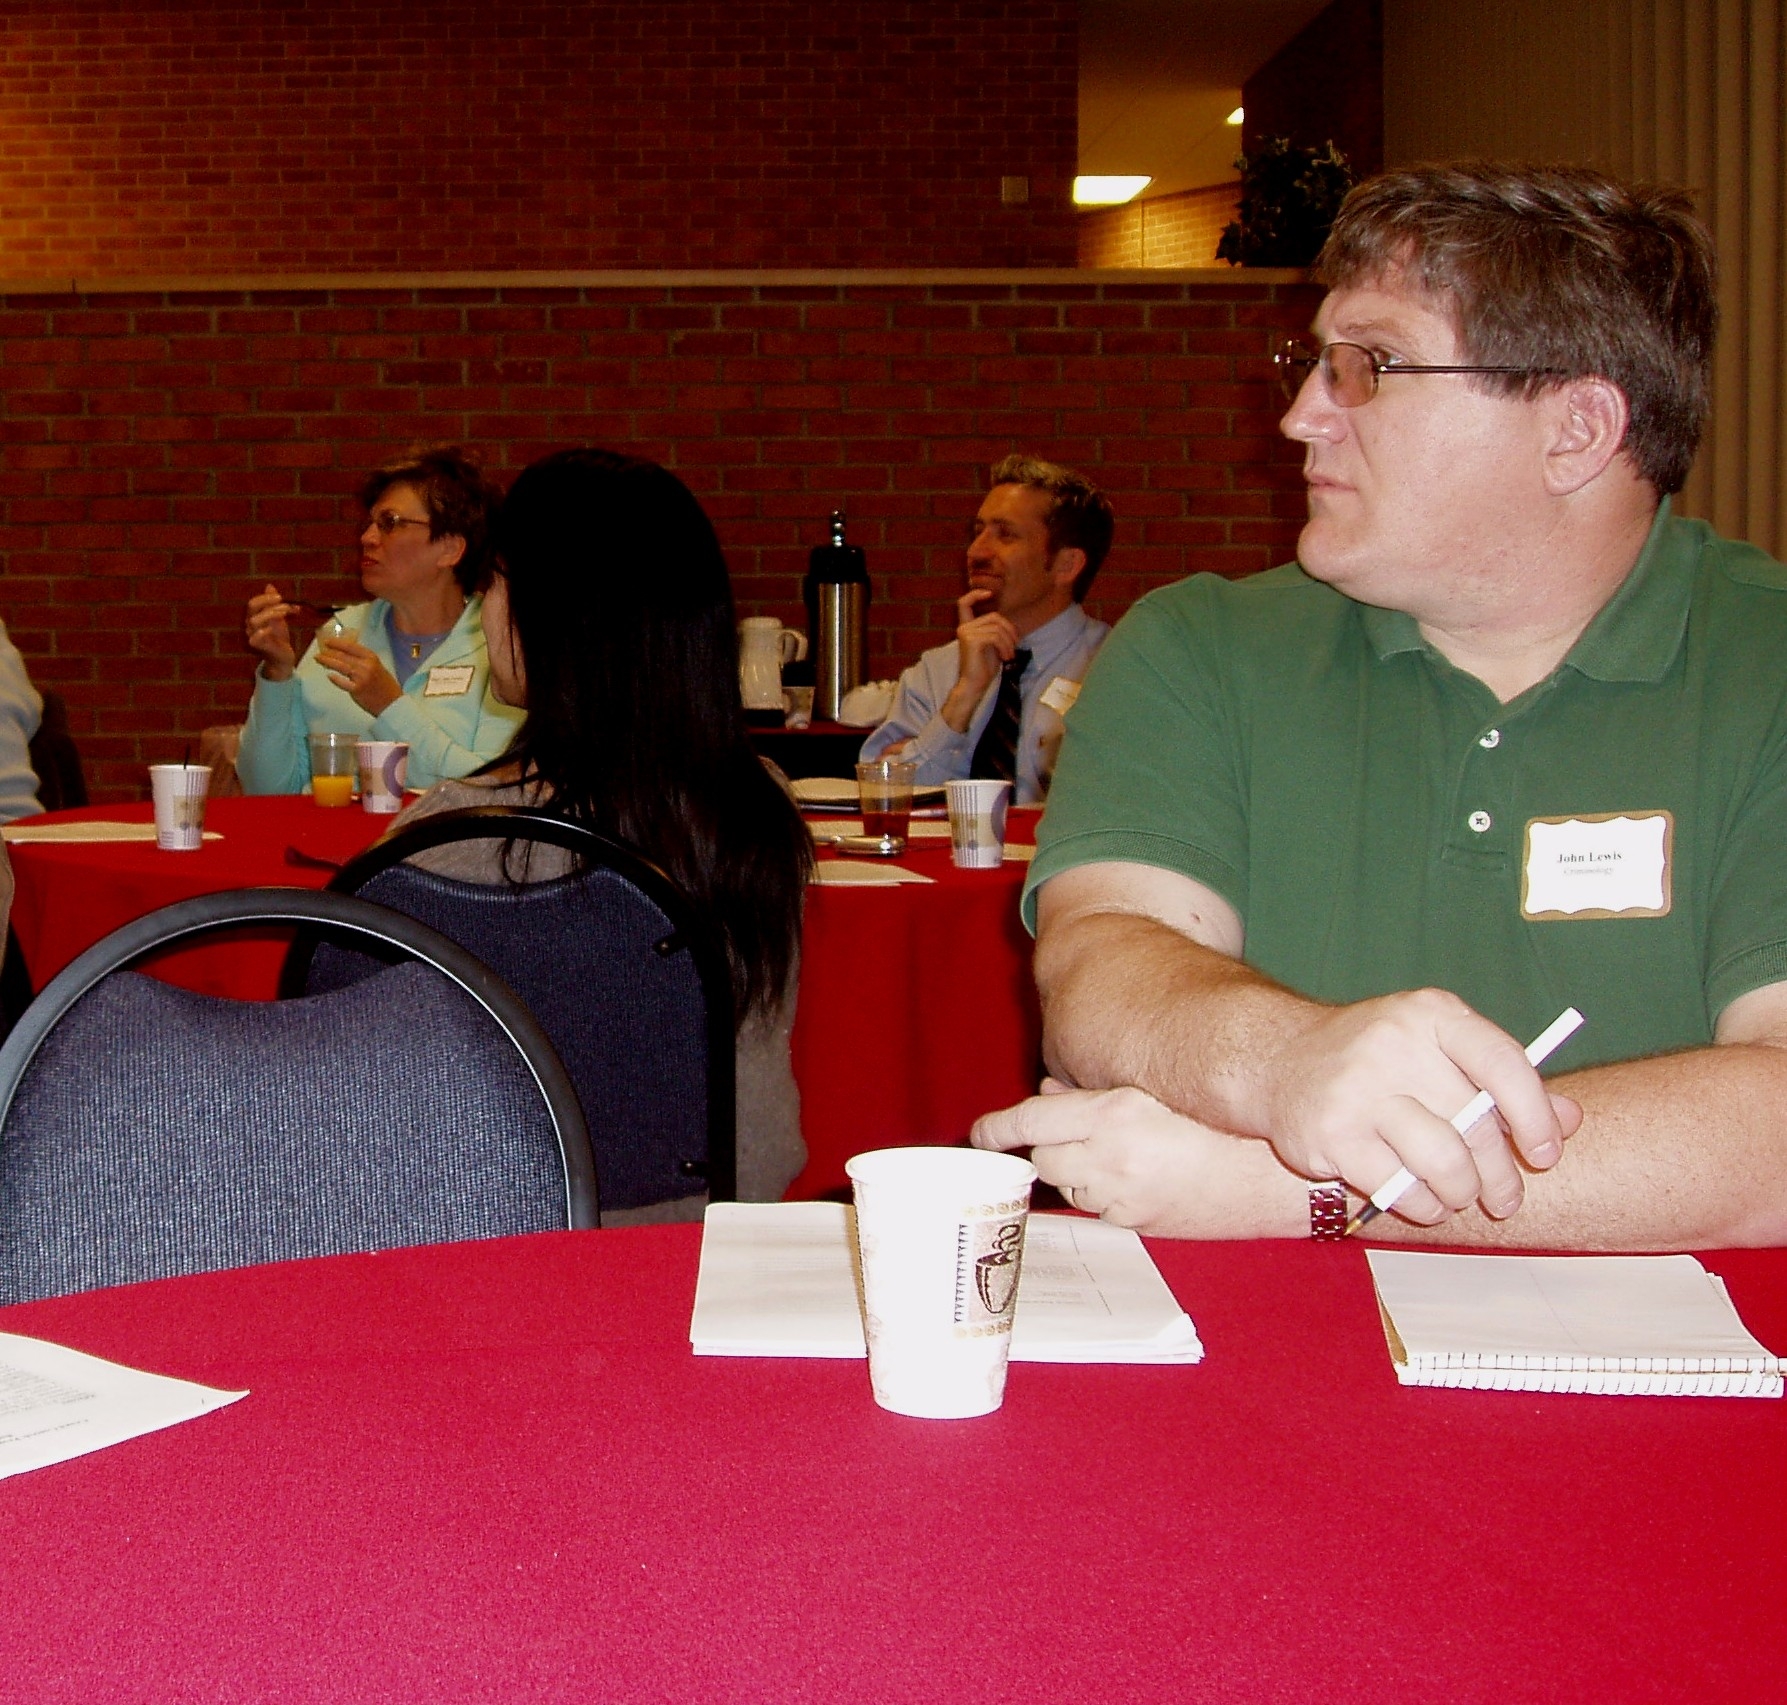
(388, 521)
(1350, 371)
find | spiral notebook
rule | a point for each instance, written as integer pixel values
(1623, 1325)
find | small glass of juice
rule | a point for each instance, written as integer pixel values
(334, 768)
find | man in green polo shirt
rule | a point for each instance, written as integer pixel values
(1325, 847)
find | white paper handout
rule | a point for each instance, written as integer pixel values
(93, 829)
(1624, 1325)
(837, 873)
(57, 1403)
(779, 1279)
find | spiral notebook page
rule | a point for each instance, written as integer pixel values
(1616, 1324)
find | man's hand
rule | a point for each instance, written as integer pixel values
(267, 634)
(1120, 1154)
(1356, 1092)
(984, 644)
(359, 674)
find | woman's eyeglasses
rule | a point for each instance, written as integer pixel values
(1350, 371)
(388, 521)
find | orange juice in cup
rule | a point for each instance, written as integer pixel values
(334, 763)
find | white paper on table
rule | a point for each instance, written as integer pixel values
(846, 873)
(28, 832)
(779, 1279)
(57, 1403)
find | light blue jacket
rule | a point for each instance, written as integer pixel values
(450, 732)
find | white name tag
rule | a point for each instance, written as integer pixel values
(1610, 866)
(1059, 695)
(448, 680)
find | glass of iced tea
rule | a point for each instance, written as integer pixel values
(884, 786)
(334, 768)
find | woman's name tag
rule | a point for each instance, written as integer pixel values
(1614, 865)
(448, 680)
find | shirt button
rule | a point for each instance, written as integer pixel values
(1479, 821)
(1491, 740)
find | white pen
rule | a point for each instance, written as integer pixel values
(1538, 1051)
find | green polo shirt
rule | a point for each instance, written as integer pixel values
(1365, 806)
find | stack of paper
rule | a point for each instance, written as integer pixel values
(1657, 1325)
(779, 1279)
(57, 1403)
(88, 829)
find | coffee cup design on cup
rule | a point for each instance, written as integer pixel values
(996, 1272)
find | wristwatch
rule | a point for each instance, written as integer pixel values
(1327, 1211)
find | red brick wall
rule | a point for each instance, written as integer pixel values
(195, 137)
(161, 455)
(1165, 230)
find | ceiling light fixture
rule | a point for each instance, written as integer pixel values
(1105, 191)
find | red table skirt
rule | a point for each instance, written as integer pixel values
(494, 1471)
(916, 1008)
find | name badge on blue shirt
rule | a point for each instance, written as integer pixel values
(448, 680)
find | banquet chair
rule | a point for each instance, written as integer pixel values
(147, 1131)
(56, 759)
(616, 964)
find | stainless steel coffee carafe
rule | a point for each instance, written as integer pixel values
(837, 597)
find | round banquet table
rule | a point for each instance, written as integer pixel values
(495, 1471)
(916, 1008)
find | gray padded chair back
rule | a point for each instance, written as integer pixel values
(153, 1131)
(620, 974)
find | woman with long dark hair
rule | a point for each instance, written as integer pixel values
(609, 621)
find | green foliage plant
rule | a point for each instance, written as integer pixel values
(1290, 193)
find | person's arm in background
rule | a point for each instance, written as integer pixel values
(931, 717)
(450, 736)
(21, 714)
(274, 754)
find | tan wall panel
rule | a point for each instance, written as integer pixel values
(1684, 91)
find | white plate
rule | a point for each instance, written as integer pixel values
(833, 791)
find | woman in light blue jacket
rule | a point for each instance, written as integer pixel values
(410, 665)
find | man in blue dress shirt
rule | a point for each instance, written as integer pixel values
(991, 703)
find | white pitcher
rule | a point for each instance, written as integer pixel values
(764, 645)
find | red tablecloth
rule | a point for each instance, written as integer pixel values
(494, 1471)
(916, 1009)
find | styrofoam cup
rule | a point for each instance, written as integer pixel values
(977, 823)
(940, 1235)
(384, 765)
(179, 794)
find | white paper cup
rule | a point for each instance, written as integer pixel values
(977, 823)
(384, 765)
(179, 794)
(940, 1234)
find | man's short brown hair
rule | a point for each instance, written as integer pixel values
(458, 496)
(1079, 516)
(1558, 270)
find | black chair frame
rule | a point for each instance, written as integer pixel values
(335, 913)
(689, 933)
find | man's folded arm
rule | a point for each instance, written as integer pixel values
(1142, 984)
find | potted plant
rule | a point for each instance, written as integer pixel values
(1290, 193)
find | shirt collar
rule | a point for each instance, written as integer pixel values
(1634, 636)
(1057, 633)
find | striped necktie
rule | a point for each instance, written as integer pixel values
(996, 754)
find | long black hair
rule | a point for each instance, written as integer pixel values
(622, 608)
